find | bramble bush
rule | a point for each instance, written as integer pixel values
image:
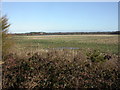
(59, 69)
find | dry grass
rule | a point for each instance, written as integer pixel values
(105, 43)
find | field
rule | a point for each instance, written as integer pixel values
(62, 61)
(104, 43)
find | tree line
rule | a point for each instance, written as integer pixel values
(66, 33)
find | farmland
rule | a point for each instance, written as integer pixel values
(62, 61)
(59, 45)
(104, 43)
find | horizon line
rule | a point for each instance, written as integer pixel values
(62, 32)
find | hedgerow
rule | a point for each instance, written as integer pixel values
(60, 69)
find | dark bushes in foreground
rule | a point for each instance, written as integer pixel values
(60, 69)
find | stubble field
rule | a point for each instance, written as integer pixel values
(104, 43)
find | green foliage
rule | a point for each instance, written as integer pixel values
(7, 41)
(5, 25)
(96, 56)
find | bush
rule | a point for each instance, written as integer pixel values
(53, 69)
(97, 56)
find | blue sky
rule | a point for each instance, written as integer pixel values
(61, 16)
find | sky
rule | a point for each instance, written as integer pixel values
(61, 16)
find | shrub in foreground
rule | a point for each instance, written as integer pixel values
(59, 69)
